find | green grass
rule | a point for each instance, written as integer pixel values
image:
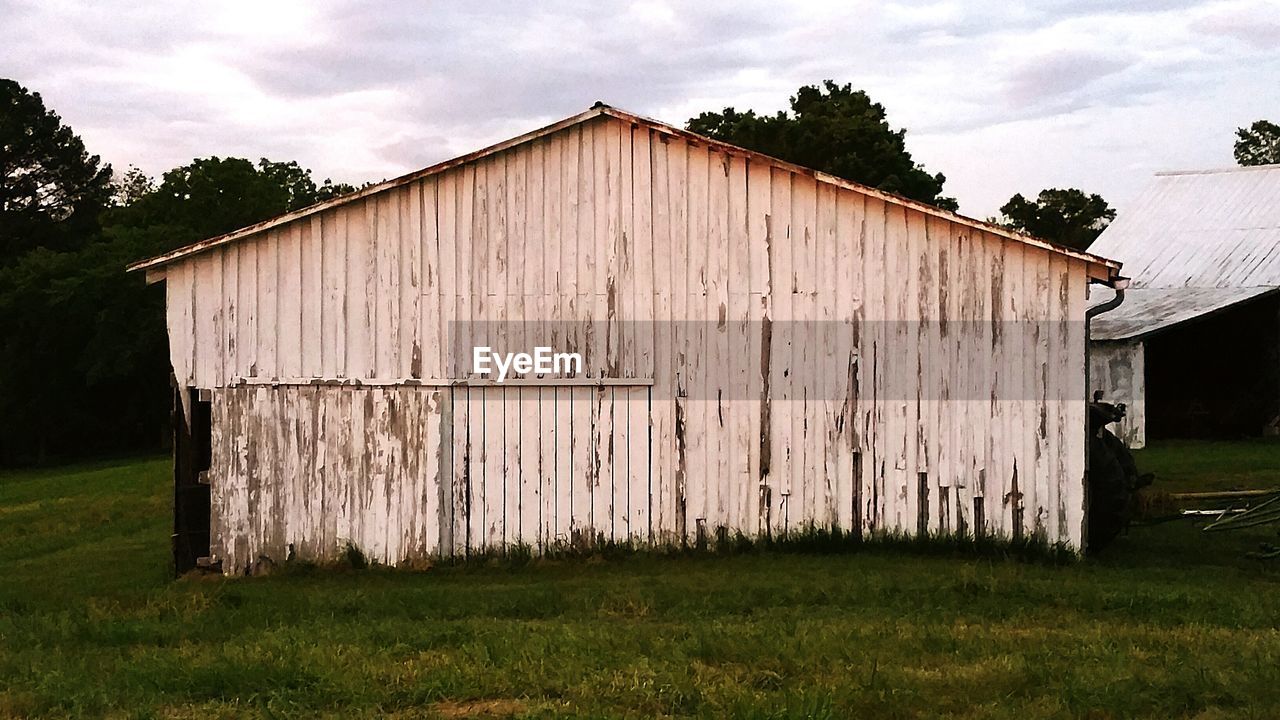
(1198, 465)
(1169, 623)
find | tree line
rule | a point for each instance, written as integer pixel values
(83, 354)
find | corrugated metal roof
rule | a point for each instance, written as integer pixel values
(1193, 242)
(1201, 229)
(1101, 268)
(1147, 310)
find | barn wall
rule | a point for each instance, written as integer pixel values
(1117, 369)
(817, 356)
(405, 473)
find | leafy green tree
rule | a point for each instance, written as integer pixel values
(83, 359)
(212, 196)
(1258, 145)
(51, 190)
(83, 352)
(132, 187)
(835, 129)
(1067, 217)
(330, 189)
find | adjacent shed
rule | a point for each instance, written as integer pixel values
(767, 349)
(1194, 350)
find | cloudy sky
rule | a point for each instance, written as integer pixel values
(1001, 98)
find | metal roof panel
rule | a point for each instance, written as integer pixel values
(1149, 310)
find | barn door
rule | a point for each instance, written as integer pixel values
(192, 447)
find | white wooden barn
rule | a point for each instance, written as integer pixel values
(766, 349)
(1194, 350)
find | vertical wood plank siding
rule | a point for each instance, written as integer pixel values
(807, 355)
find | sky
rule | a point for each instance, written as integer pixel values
(1000, 97)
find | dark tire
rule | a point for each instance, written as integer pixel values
(1110, 489)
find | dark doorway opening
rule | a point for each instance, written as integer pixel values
(1218, 376)
(192, 453)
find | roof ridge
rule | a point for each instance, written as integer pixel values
(1217, 171)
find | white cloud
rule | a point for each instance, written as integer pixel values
(1001, 98)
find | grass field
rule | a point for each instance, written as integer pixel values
(1169, 623)
(1192, 465)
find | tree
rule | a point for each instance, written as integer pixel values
(51, 189)
(1067, 217)
(1258, 145)
(83, 359)
(834, 129)
(330, 189)
(132, 187)
(212, 196)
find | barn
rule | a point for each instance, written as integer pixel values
(764, 349)
(1194, 351)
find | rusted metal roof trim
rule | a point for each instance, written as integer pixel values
(201, 246)
(1108, 269)
(1101, 269)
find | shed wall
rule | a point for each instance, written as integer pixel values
(1117, 368)
(810, 355)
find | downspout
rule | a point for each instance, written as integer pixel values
(1119, 284)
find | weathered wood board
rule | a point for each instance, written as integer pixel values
(764, 351)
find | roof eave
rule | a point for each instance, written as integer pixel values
(203, 245)
(1100, 269)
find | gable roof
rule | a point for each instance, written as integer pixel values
(1210, 228)
(1194, 243)
(1100, 268)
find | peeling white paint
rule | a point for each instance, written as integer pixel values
(763, 351)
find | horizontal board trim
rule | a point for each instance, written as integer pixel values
(445, 382)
